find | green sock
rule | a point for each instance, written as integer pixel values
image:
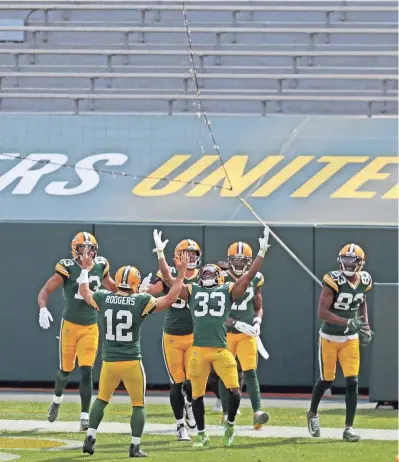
(86, 387)
(97, 413)
(224, 396)
(253, 390)
(60, 382)
(351, 400)
(137, 421)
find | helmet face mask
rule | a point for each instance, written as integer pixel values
(194, 258)
(210, 276)
(350, 265)
(239, 265)
(82, 241)
(92, 249)
(193, 250)
(239, 257)
(351, 259)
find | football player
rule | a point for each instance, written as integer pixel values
(248, 309)
(342, 300)
(210, 302)
(122, 315)
(79, 329)
(178, 336)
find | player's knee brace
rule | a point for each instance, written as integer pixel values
(352, 384)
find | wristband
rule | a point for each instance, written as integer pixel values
(84, 276)
(262, 252)
(257, 320)
(160, 254)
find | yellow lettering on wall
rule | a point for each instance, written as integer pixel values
(235, 167)
(393, 193)
(370, 172)
(335, 163)
(282, 176)
(146, 187)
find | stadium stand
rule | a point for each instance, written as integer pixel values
(252, 57)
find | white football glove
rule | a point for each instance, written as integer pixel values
(257, 328)
(245, 328)
(256, 324)
(159, 244)
(264, 242)
(145, 283)
(45, 318)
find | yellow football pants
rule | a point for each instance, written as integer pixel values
(176, 353)
(201, 360)
(244, 347)
(131, 373)
(77, 341)
(347, 353)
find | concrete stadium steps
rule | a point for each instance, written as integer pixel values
(163, 16)
(183, 81)
(266, 38)
(213, 107)
(291, 29)
(184, 67)
(270, 24)
(210, 62)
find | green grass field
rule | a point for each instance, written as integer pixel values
(165, 448)
(366, 418)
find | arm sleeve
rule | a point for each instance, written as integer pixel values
(149, 305)
(94, 301)
(190, 291)
(370, 286)
(62, 270)
(106, 267)
(330, 282)
(261, 280)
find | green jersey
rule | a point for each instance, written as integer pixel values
(347, 298)
(210, 308)
(178, 320)
(75, 308)
(122, 315)
(243, 309)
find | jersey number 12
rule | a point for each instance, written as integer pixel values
(120, 334)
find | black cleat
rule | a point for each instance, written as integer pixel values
(135, 451)
(52, 412)
(88, 445)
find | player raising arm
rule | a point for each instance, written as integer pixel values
(79, 330)
(122, 315)
(210, 302)
(248, 309)
(177, 338)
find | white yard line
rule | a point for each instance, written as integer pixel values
(39, 426)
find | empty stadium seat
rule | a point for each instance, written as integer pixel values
(250, 58)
